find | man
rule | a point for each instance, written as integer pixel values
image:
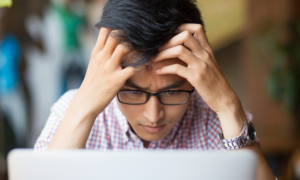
(152, 82)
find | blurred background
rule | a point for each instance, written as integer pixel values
(45, 48)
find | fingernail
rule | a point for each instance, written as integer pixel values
(158, 70)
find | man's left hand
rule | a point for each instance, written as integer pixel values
(203, 72)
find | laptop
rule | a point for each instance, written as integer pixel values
(24, 164)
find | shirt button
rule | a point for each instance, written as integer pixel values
(172, 138)
(125, 137)
(134, 137)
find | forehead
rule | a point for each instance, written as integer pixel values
(147, 78)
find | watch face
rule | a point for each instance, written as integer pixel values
(251, 132)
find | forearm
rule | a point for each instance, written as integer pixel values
(204, 73)
(263, 170)
(231, 123)
(104, 78)
(74, 128)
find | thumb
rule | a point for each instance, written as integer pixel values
(127, 72)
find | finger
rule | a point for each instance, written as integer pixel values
(116, 58)
(184, 38)
(102, 37)
(111, 43)
(176, 52)
(126, 73)
(198, 31)
(188, 40)
(175, 69)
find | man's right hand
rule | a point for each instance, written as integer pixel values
(105, 76)
(103, 80)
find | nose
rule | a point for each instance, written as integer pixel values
(153, 110)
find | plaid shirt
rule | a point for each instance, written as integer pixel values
(198, 129)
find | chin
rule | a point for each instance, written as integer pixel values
(149, 138)
(152, 136)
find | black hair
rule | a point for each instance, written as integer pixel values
(148, 24)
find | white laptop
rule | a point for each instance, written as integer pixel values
(131, 165)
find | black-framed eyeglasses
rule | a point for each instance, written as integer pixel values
(171, 97)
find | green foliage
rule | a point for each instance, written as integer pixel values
(5, 3)
(283, 58)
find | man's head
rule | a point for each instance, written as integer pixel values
(145, 26)
(148, 24)
(153, 120)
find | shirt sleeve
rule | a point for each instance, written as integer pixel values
(57, 113)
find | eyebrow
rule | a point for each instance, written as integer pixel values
(176, 84)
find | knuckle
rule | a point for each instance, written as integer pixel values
(180, 50)
(205, 66)
(207, 48)
(94, 53)
(128, 71)
(176, 67)
(206, 55)
(200, 77)
(199, 28)
(186, 35)
(121, 49)
(113, 33)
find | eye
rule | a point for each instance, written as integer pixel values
(170, 93)
(135, 92)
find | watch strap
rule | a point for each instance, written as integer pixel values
(237, 142)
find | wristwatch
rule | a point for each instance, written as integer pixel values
(246, 138)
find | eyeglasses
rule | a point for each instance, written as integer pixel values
(136, 97)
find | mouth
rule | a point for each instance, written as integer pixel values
(153, 129)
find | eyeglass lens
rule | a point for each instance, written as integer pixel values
(137, 97)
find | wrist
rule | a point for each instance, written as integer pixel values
(80, 108)
(246, 138)
(75, 127)
(229, 102)
(91, 102)
(232, 119)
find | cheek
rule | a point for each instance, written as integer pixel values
(131, 112)
(135, 113)
(171, 112)
(175, 113)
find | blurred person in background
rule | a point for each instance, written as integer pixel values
(152, 83)
(30, 63)
(62, 61)
(14, 94)
(15, 100)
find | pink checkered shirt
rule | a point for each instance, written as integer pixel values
(198, 129)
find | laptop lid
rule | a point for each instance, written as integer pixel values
(133, 165)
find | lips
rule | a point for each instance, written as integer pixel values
(153, 129)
